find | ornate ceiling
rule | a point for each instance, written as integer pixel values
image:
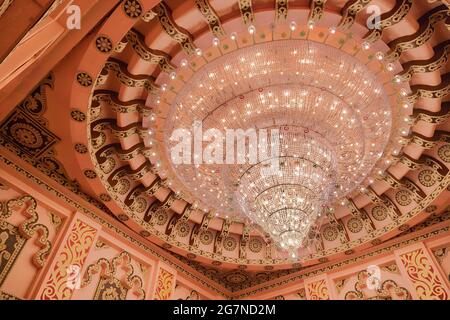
(88, 125)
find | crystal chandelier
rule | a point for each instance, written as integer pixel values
(332, 113)
(286, 202)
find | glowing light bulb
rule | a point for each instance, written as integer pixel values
(293, 25)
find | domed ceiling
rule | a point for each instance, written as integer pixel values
(371, 104)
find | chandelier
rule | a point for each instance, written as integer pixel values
(334, 120)
(287, 201)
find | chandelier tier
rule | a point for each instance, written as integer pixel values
(286, 202)
(335, 123)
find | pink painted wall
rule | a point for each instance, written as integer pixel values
(83, 259)
(52, 251)
(420, 271)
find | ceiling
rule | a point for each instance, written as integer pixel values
(99, 96)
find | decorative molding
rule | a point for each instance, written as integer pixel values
(211, 17)
(132, 8)
(388, 19)
(6, 296)
(180, 35)
(433, 64)
(427, 25)
(74, 253)
(425, 279)
(349, 12)
(431, 92)
(318, 290)
(119, 70)
(30, 227)
(11, 244)
(160, 58)
(317, 10)
(165, 284)
(432, 117)
(281, 9)
(362, 215)
(76, 204)
(315, 272)
(108, 269)
(388, 289)
(246, 8)
(25, 133)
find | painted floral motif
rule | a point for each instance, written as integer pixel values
(403, 197)
(27, 135)
(229, 243)
(444, 153)
(81, 148)
(330, 233)
(426, 281)
(77, 115)
(183, 229)
(379, 213)
(255, 245)
(354, 225)
(387, 290)
(165, 285)
(161, 218)
(318, 290)
(90, 174)
(206, 237)
(110, 289)
(74, 253)
(426, 178)
(11, 244)
(132, 8)
(103, 44)
(84, 79)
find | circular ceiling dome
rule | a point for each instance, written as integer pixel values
(373, 189)
(327, 95)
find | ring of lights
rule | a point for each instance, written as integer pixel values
(264, 81)
(291, 88)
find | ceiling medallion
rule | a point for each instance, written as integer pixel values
(278, 131)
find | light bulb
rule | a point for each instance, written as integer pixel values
(293, 25)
